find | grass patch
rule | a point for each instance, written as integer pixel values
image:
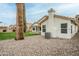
(31, 34)
(7, 35)
(10, 35)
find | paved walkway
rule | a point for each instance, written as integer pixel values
(37, 46)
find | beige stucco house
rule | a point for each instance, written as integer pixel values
(36, 27)
(58, 26)
(3, 27)
(29, 27)
(12, 28)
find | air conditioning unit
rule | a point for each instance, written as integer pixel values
(47, 35)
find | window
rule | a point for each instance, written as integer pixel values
(78, 18)
(40, 28)
(14, 30)
(4, 30)
(64, 28)
(33, 28)
(44, 28)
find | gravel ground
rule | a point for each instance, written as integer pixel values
(38, 46)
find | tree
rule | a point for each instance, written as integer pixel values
(20, 21)
(24, 18)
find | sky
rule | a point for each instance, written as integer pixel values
(35, 11)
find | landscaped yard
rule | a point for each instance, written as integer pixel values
(10, 35)
(38, 45)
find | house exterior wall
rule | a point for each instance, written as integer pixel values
(77, 29)
(44, 23)
(9, 30)
(1, 30)
(74, 29)
(50, 21)
(29, 27)
(53, 26)
(55, 29)
(34, 28)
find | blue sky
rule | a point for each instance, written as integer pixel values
(34, 11)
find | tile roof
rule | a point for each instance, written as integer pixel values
(63, 17)
(44, 18)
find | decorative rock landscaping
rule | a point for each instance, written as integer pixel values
(39, 46)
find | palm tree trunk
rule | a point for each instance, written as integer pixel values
(19, 22)
(24, 18)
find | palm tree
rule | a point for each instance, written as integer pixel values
(20, 21)
(24, 18)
